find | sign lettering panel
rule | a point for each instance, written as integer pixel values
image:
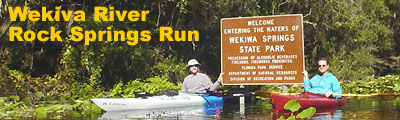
(262, 50)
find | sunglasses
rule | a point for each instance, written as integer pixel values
(321, 65)
(193, 66)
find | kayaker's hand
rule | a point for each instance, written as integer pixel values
(328, 94)
(220, 77)
(305, 73)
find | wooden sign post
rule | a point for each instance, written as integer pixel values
(262, 50)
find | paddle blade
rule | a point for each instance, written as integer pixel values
(385, 96)
(265, 94)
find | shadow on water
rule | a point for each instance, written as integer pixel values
(352, 108)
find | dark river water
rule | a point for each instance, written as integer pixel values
(256, 109)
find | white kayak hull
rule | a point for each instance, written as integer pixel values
(155, 102)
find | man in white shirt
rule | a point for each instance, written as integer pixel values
(196, 82)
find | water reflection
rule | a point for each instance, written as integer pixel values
(353, 108)
(370, 108)
(332, 113)
(198, 112)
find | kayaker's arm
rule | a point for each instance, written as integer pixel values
(216, 83)
(183, 88)
(307, 84)
(214, 86)
(336, 87)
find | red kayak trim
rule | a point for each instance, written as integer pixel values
(306, 100)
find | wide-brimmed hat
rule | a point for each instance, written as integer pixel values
(192, 62)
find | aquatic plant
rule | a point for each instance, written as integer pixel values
(373, 84)
(294, 106)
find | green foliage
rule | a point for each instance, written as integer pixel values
(281, 118)
(354, 49)
(171, 67)
(13, 107)
(35, 87)
(158, 84)
(359, 37)
(127, 90)
(294, 88)
(85, 106)
(367, 85)
(294, 106)
(41, 113)
(84, 91)
(372, 84)
(291, 118)
(309, 112)
(354, 65)
(11, 103)
(150, 85)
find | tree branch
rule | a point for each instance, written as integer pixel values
(5, 26)
(311, 23)
(159, 13)
(309, 13)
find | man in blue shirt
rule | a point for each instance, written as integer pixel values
(323, 83)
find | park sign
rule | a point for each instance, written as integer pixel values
(262, 50)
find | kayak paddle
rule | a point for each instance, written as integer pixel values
(268, 93)
(379, 96)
